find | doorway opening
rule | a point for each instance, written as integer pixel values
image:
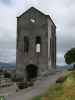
(31, 72)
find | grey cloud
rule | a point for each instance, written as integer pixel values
(7, 39)
(63, 14)
(7, 55)
(60, 59)
(69, 3)
(7, 2)
(65, 42)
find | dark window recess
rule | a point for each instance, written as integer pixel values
(50, 43)
(53, 30)
(38, 40)
(26, 44)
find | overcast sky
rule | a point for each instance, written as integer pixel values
(61, 11)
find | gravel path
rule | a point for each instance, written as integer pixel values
(39, 87)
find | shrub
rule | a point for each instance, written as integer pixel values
(7, 75)
(22, 85)
(14, 79)
(61, 79)
(30, 83)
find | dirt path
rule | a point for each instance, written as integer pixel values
(38, 88)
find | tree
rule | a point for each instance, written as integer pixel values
(70, 57)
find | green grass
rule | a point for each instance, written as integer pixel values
(2, 98)
(60, 91)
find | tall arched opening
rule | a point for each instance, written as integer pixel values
(31, 72)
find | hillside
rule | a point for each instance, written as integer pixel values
(7, 65)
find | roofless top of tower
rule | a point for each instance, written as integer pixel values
(33, 8)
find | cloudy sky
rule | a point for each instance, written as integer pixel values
(61, 11)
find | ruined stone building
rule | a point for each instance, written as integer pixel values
(36, 44)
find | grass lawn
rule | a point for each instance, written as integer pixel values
(60, 91)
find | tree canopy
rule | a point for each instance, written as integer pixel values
(70, 56)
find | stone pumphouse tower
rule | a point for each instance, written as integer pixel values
(36, 44)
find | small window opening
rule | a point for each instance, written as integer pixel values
(26, 44)
(38, 40)
(32, 20)
(38, 43)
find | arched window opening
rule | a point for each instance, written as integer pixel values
(26, 44)
(38, 44)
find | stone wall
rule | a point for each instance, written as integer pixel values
(27, 28)
(33, 23)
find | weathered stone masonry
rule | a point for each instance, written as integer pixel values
(33, 28)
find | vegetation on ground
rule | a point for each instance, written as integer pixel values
(60, 91)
